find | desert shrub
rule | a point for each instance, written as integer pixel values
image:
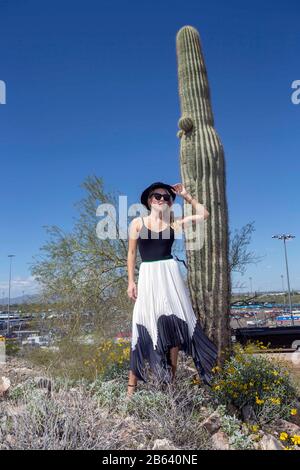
(267, 387)
(173, 412)
(75, 361)
(109, 394)
(44, 357)
(11, 347)
(97, 416)
(238, 435)
(20, 390)
(252, 347)
(165, 411)
(110, 360)
(70, 419)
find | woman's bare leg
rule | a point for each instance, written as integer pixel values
(174, 357)
(132, 383)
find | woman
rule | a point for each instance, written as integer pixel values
(163, 319)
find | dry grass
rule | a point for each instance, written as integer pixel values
(96, 416)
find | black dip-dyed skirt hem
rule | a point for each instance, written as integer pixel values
(163, 318)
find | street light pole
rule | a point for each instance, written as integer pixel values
(288, 280)
(8, 306)
(283, 290)
(285, 237)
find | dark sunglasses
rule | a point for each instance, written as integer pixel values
(158, 196)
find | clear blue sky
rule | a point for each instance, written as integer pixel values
(92, 89)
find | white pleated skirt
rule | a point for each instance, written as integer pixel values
(163, 318)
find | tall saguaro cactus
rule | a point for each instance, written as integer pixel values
(203, 174)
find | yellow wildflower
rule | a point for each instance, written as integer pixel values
(275, 401)
(294, 411)
(296, 439)
(283, 436)
(258, 401)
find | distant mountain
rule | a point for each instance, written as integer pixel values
(29, 299)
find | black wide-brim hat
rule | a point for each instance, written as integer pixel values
(157, 184)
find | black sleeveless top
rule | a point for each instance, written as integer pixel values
(155, 246)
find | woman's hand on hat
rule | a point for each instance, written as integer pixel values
(180, 189)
